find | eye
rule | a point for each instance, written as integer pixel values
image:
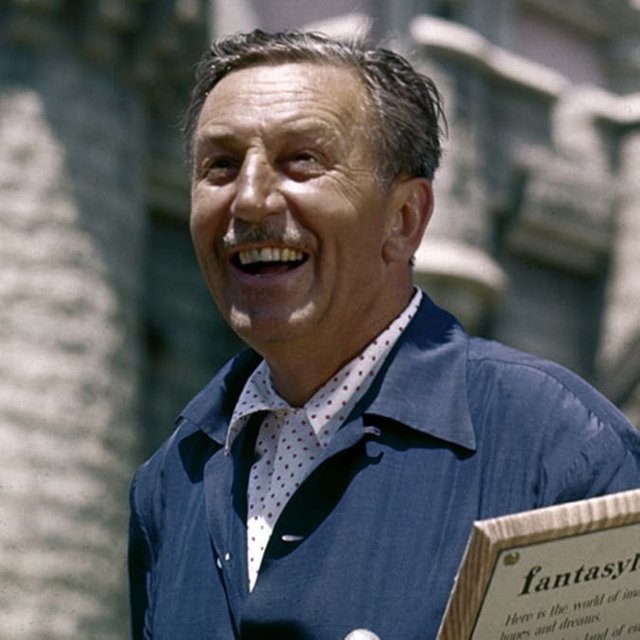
(303, 165)
(219, 170)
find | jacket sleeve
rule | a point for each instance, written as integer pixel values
(608, 461)
(591, 449)
(140, 562)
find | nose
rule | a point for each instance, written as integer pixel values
(256, 193)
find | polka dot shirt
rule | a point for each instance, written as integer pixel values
(291, 440)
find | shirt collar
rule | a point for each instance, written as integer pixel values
(423, 384)
(332, 403)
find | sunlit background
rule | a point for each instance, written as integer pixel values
(106, 329)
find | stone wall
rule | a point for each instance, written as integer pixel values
(536, 177)
(186, 339)
(83, 86)
(72, 230)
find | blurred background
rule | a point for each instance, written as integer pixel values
(106, 329)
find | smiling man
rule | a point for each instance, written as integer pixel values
(297, 236)
(326, 480)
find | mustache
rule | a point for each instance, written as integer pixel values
(243, 233)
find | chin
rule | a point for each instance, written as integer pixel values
(270, 326)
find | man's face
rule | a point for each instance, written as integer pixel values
(287, 218)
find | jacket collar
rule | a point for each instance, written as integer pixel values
(425, 383)
(211, 409)
(422, 385)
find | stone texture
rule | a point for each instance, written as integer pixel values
(563, 213)
(81, 84)
(538, 176)
(187, 340)
(72, 231)
(622, 317)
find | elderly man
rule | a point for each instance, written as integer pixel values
(326, 480)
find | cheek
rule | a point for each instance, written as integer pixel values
(328, 195)
(205, 219)
(197, 224)
(198, 235)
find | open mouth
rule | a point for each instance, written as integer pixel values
(268, 260)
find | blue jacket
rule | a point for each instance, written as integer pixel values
(453, 429)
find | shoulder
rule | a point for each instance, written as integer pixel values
(525, 378)
(200, 430)
(159, 472)
(583, 444)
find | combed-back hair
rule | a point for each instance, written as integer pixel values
(405, 107)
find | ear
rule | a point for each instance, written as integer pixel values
(412, 201)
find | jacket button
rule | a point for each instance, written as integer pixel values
(227, 557)
(291, 537)
(362, 634)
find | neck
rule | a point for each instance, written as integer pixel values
(299, 370)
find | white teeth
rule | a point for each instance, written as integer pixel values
(269, 254)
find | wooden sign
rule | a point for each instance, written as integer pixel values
(567, 572)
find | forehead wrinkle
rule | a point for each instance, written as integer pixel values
(268, 92)
(246, 108)
(303, 128)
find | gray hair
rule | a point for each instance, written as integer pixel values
(405, 105)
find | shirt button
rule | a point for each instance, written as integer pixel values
(219, 563)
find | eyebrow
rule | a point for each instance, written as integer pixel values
(210, 138)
